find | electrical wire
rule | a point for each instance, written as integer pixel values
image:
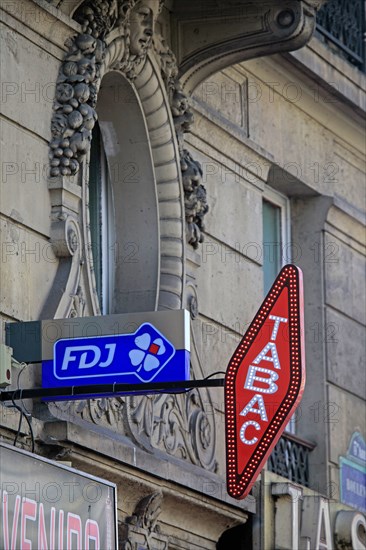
(23, 365)
(20, 421)
(214, 374)
(199, 359)
(24, 413)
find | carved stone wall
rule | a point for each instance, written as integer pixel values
(119, 36)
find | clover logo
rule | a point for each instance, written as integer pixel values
(146, 356)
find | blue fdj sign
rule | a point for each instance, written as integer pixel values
(144, 356)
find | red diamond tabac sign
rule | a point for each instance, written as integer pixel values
(264, 381)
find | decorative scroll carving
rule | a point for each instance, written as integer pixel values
(66, 236)
(141, 531)
(192, 300)
(251, 29)
(108, 413)
(104, 411)
(66, 298)
(181, 425)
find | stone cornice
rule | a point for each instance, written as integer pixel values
(211, 35)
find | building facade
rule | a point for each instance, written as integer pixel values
(159, 156)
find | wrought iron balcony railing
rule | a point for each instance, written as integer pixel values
(290, 459)
(342, 22)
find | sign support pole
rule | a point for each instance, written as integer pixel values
(108, 390)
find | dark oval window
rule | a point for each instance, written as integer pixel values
(123, 205)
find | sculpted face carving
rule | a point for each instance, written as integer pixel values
(142, 20)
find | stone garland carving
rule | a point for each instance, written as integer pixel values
(80, 75)
(74, 105)
(195, 198)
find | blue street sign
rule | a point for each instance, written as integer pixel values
(144, 356)
(353, 485)
(353, 474)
